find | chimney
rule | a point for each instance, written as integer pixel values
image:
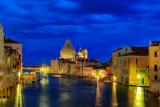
(123, 47)
(149, 43)
(5, 38)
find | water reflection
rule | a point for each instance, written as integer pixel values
(18, 97)
(44, 81)
(114, 95)
(43, 97)
(98, 95)
(67, 92)
(139, 98)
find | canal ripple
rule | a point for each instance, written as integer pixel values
(79, 92)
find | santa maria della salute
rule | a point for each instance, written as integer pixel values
(68, 52)
(71, 63)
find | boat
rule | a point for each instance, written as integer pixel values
(56, 76)
(33, 73)
(108, 81)
(26, 73)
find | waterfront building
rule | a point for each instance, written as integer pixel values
(154, 65)
(11, 67)
(15, 45)
(66, 64)
(109, 73)
(128, 62)
(68, 51)
(88, 71)
(55, 65)
(10, 62)
(72, 68)
(64, 68)
(45, 68)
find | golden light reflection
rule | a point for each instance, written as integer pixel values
(114, 95)
(18, 98)
(98, 95)
(138, 90)
(44, 81)
(43, 98)
(139, 98)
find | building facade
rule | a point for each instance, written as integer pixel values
(66, 64)
(15, 45)
(127, 62)
(154, 66)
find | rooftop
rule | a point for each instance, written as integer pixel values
(7, 40)
(139, 52)
(155, 43)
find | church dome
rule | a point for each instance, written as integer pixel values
(80, 54)
(68, 51)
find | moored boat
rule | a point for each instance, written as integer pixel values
(56, 76)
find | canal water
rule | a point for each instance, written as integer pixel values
(78, 92)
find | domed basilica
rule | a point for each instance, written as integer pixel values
(68, 52)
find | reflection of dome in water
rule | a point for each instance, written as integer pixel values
(68, 51)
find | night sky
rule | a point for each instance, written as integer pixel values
(101, 26)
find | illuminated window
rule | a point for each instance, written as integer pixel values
(155, 54)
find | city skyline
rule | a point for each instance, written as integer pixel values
(100, 26)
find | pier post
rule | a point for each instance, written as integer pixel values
(5, 93)
(1, 94)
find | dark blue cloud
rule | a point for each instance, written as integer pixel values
(101, 26)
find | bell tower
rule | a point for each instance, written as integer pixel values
(1, 44)
(85, 54)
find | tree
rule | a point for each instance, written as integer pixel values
(109, 63)
(142, 73)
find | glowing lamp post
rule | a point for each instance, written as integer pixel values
(19, 74)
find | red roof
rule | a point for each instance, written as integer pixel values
(139, 52)
(137, 48)
(155, 43)
(7, 40)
